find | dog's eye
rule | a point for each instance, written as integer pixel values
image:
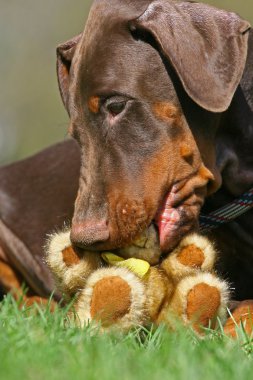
(115, 108)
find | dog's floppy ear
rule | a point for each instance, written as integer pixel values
(206, 46)
(65, 53)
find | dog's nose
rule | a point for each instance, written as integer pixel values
(85, 234)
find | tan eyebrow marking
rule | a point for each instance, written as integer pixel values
(166, 111)
(93, 104)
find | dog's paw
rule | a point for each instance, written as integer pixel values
(70, 268)
(194, 254)
(112, 297)
(241, 316)
(199, 300)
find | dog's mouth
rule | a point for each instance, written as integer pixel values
(176, 216)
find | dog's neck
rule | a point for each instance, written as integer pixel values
(234, 146)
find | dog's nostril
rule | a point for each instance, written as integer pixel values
(88, 233)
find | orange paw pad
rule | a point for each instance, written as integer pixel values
(191, 256)
(242, 314)
(111, 300)
(203, 302)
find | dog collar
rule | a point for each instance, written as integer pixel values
(228, 213)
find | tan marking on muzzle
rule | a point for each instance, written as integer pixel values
(93, 104)
(205, 173)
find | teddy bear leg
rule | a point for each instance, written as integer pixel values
(199, 300)
(112, 297)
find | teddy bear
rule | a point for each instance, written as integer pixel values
(136, 285)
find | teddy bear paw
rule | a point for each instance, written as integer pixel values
(200, 300)
(70, 268)
(195, 253)
(112, 297)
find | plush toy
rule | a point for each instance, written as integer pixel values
(125, 289)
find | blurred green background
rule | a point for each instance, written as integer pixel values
(31, 113)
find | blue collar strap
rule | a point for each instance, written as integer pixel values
(227, 213)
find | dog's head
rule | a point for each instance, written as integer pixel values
(145, 85)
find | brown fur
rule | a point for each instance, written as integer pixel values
(2, 255)
(41, 302)
(9, 279)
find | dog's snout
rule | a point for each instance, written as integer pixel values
(86, 234)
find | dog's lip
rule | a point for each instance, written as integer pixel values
(173, 220)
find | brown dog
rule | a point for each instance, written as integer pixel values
(148, 87)
(36, 196)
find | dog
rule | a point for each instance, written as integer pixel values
(160, 99)
(36, 197)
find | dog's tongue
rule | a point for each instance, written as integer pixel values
(167, 221)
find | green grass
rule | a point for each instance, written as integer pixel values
(46, 346)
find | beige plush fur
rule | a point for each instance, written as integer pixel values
(178, 305)
(184, 286)
(136, 314)
(177, 270)
(159, 289)
(69, 278)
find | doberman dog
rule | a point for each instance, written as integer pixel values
(160, 99)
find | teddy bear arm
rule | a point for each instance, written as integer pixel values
(70, 267)
(195, 253)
